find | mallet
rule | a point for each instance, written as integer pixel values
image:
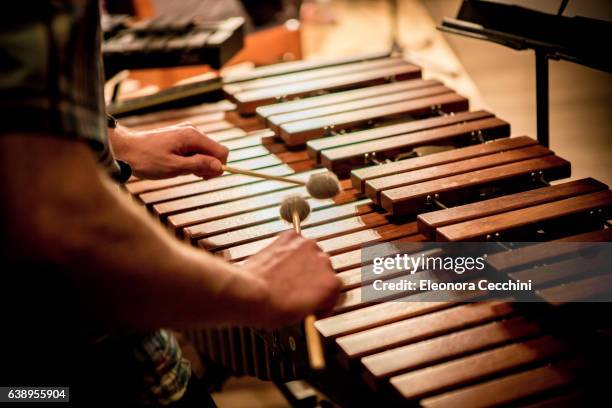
(320, 185)
(295, 209)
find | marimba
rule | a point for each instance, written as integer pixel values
(415, 165)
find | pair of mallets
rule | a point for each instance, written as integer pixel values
(294, 209)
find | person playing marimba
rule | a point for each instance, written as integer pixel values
(88, 279)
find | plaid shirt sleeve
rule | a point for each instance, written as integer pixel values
(51, 76)
(166, 373)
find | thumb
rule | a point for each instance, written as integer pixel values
(202, 165)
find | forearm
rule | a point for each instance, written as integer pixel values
(130, 271)
(154, 280)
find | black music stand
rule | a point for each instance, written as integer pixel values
(578, 39)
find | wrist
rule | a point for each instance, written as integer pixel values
(250, 294)
(119, 142)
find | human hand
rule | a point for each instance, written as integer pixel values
(297, 280)
(169, 151)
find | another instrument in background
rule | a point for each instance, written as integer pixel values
(415, 165)
(167, 41)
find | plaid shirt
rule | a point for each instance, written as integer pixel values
(51, 82)
(165, 373)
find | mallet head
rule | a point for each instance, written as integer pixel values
(323, 185)
(294, 203)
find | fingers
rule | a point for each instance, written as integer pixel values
(296, 242)
(196, 142)
(287, 237)
(299, 277)
(202, 165)
(331, 285)
(329, 301)
(328, 285)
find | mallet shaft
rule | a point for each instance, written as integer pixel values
(313, 340)
(262, 175)
(297, 226)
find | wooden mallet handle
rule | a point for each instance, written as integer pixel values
(313, 340)
(313, 344)
(261, 175)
